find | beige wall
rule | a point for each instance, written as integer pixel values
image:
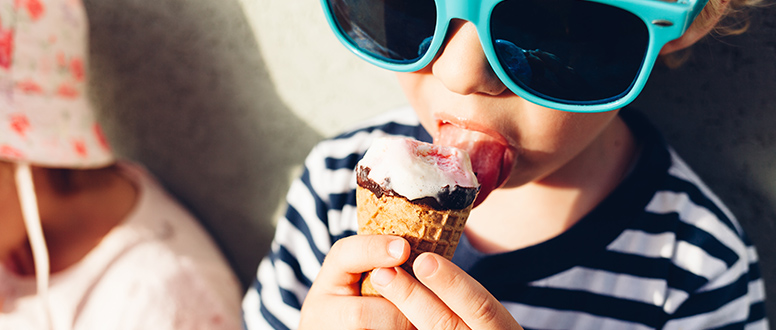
(222, 99)
(314, 75)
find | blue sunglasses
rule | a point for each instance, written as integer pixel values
(572, 55)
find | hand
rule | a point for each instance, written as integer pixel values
(450, 299)
(334, 300)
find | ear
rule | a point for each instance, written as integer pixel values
(699, 29)
(686, 40)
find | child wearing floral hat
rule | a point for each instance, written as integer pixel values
(87, 241)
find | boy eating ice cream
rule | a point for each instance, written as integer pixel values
(585, 219)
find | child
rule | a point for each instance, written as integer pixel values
(585, 218)
(87, 241)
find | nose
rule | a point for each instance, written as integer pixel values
(462, 66)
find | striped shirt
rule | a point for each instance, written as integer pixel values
(660, 252)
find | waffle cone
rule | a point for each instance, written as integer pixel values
(425, 228)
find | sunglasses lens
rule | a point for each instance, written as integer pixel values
(571, 51)
(397, 31)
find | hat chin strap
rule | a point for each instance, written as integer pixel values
(29, 203)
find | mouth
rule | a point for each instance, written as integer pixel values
(492, 157)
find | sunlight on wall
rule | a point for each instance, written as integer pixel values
(320, 80)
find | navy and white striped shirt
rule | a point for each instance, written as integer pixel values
(660, 252)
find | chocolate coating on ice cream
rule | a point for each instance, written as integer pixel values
(446, 198)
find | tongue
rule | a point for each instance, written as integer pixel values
(491, 159)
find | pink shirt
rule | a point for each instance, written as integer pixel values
(159, 269)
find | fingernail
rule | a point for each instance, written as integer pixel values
(383, 276)
(396, 248)
(425, 265)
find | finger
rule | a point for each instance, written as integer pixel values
(351, 256)
(373, 313)
(479, 309)
(419, 304)
(352, 312)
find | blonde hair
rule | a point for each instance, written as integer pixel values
(733, 18)
(730, 17)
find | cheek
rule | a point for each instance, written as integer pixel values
(552, 131)
(549, 139)
(421, 96)
(11, 220)
(412, 83)
(545, 144)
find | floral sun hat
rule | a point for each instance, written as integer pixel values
(46, 118)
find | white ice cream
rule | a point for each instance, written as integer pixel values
(417, 169)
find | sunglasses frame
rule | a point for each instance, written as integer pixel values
(665, 21)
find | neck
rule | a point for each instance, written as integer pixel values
(545, 208)
(74, 222)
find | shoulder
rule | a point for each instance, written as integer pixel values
(684, 195)
(684, 219)
(159, 223)
(162, 263)
(673, 185)
(713, 264)
(709, 239)
(691, 240)
(151, 285)
(715, 272)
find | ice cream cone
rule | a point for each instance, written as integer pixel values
(425, 228)
(416, 190)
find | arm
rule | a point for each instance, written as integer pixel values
(321, 211)
(284, 295)
(165, 294)
(285, 275)
(447, 298)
